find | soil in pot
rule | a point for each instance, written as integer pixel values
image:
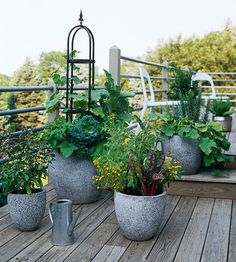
(186, 151)
(139, 217)
(26, 211)
(72, 179)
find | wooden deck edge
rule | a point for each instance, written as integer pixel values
(203, 189)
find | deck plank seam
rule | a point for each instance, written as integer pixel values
(106, 199)
(167, 220)
(208, 226)
(230, 225)
(89, 236)
(197, 198)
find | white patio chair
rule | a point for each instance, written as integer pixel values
(150, 103)
(205, 77)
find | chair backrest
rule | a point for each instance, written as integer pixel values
(205, 77)
(146, 78)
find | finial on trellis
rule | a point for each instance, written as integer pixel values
(81, 17)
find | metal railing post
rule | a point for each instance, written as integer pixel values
(53, 115)
(114, 63)
(165, 75)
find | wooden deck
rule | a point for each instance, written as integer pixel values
(194, 229)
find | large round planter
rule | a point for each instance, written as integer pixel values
(225, 121)
(72, 179)
(186, 151)
(27, 211)
(139, 217)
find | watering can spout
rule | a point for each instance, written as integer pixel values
(73, 223)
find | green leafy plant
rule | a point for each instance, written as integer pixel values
(25, 161)
(132, 164)
(210, 138)
(221, 108)
(182, 82)
(79, 137)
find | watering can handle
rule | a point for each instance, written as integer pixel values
(50, 211)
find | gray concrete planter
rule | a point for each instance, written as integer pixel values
(225, 121)
(72, 179)
(186, 151)
(139, 217)
(27, 211)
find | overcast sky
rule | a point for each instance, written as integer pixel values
(28, 27)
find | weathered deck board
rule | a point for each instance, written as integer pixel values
(169, 240)
(140, 250)
(193, 241)
(193, 229)
(41, 245)
(216, 246)
(232, 244)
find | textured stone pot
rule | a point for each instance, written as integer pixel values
(27, 211)
(139, 217)
(72, 179)
(186, 151)
(225, 121)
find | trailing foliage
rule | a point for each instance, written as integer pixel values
(25, 163)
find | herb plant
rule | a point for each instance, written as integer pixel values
(221, 108)
(25, 162)
(132, 164)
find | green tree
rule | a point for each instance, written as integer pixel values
(48, 63)
(10, 124)
(215, 51)
(26, 75)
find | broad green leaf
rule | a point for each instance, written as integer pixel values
(67, 148)
(79, 97)
(216, 126)
(54, 102)
(193, 134)
(201, 127)
(184, 130)
(208, 160)
(127, 117)
(168, 130)
(207, 145)
(75, 79)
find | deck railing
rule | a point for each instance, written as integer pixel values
(115, 61)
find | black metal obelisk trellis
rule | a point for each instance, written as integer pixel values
(71, 61)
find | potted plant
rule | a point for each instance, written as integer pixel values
(190, 141)
(25, 164)
(72, 171)
(76, 141)
(221, 110)
(132, 166)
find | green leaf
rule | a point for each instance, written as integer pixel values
(75, 79)
(127, 94)
(184, 130)
(67, 148)
(127, 117)
(168, 130)
(54, 102)
(193, 134)
(207, 145)
(79, 97)
(208, 160)
(201, 127)
(216, 126)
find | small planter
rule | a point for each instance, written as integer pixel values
(225, 121)
(186, 151)
(72, 179)
(27, 211)
(139, 217)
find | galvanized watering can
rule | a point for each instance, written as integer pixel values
(60, 213)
